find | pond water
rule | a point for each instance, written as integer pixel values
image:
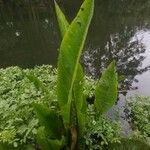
(120, 30)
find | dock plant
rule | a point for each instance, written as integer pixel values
(69, 105)
(64, 128)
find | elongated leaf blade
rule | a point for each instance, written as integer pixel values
(62, 21)
(6, 146)
(70, 52)
(50, 120)
(37, 83)
(46, 143)
(78, 88)
(106, 90)
(78, 85)
(79, 99)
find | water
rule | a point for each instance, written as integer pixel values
(120, 30)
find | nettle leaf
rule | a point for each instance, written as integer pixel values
(106, 89)
(70, 52)
(50, 120)
(62, 21)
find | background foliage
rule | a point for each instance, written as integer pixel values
(18, 123)
(138, 113)
(17, 93)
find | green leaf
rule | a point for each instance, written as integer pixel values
(78, 88)
(106, 89)
(50, 120)
(37, 83)
(80, 102)
(78, 84)
(82, 123)
(46, 143)
(70, 52)
(62, 21)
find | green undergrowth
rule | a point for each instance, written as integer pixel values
(18, 123)
(101, 132)
(138, 113)
(19, 89)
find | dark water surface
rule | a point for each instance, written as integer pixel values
(120, 30)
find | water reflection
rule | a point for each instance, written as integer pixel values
(143, 85)
(29, 36)
(117, 39)
(128, 51)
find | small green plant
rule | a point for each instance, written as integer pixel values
(14, 131)
(32, 87)
(101, 132)
(64, 128)
(138, 113)
(18, 124)
(63, 110)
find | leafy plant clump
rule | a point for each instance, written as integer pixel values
(18, 93)
(101, 132)
(61, 102)
(18, 124)
(71, 117)
(101, 127)
(138, 112)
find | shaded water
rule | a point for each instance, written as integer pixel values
(120, 30)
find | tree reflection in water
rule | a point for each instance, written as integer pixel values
(113, 36)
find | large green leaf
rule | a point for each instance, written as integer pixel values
(78, 84)
(50, 120)
(70, 52)
(80, 102)
(106, 90)
(78, 88)
(77, 97)
(62, 21)
(46, 143)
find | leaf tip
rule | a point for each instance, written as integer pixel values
(56, 5)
